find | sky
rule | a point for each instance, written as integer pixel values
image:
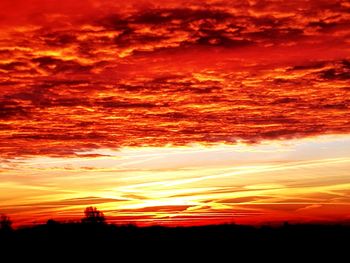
(175, 112)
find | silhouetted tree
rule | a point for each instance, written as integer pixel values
(52, 223)
(93, 215)
(5, 223)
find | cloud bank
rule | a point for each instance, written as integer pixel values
(85, 75)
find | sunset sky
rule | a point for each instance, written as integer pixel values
(175, 112)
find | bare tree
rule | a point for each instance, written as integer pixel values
(5, 223)
(93, 215)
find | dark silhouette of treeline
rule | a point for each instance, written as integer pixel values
(94, 233)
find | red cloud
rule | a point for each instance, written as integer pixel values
(175, 73)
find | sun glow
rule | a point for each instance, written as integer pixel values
(297, 179)
(175, 112)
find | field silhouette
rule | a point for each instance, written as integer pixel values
(94, 234)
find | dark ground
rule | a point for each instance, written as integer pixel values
(229, 241)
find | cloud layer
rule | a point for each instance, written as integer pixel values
(87, 75)
(305, 182)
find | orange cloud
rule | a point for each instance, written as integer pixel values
(158, 74)
(301, 181)
(78, 76)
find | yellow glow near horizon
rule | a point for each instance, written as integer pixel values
(293, 180)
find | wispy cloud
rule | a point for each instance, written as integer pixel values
(274, 185)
